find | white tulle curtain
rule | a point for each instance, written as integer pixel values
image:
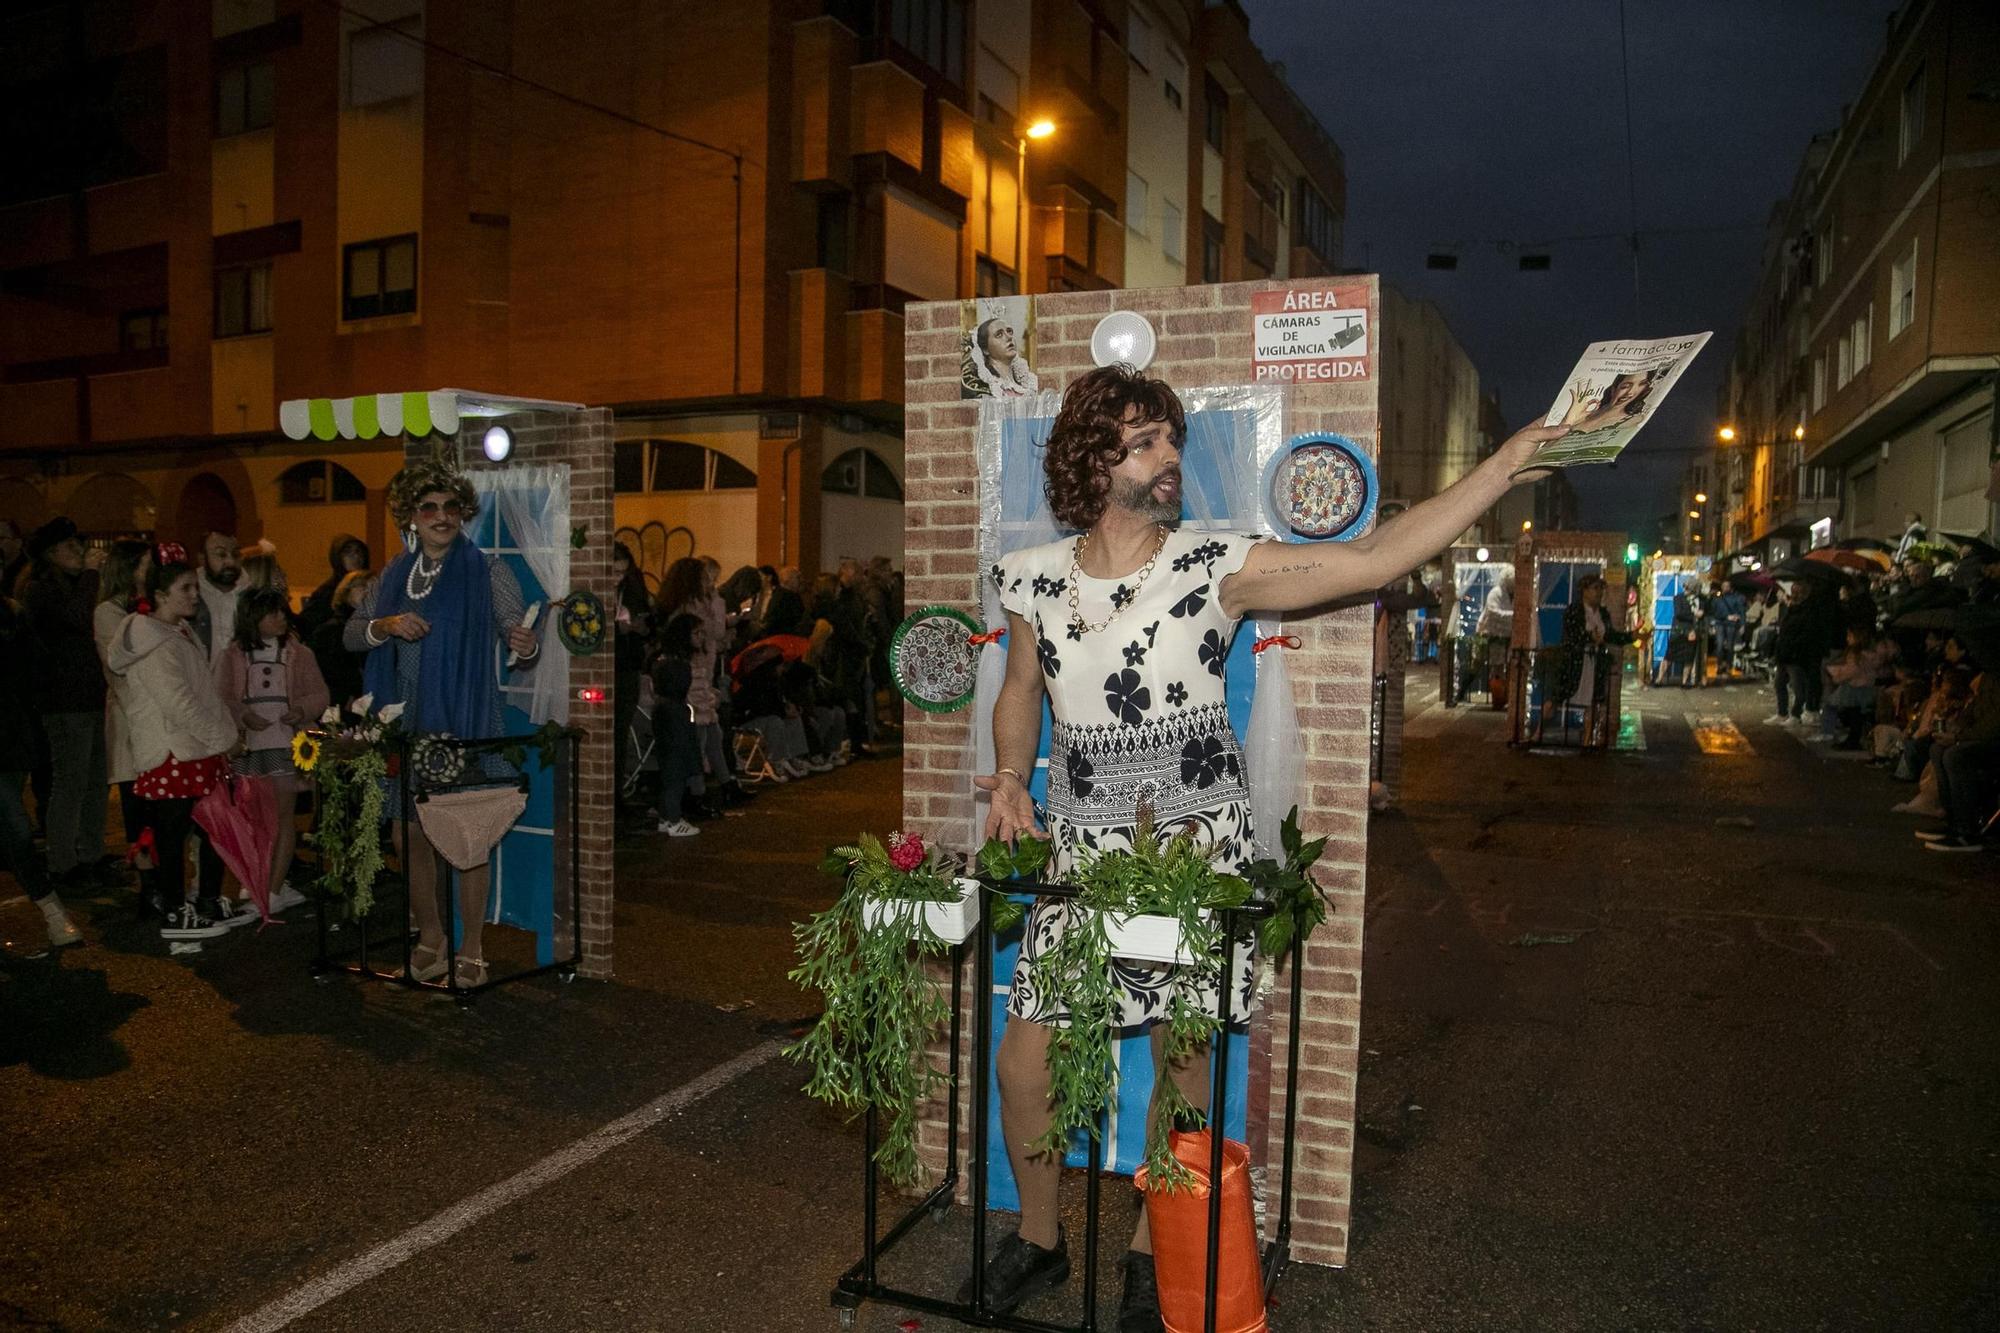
(533, 503)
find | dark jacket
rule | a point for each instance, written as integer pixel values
(1577, 647)
(340, 668)
(786, 614)
(319, 607)
(69, 675)
(18, 748)
(1808, 629)
(675, 745)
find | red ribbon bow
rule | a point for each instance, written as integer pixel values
(141, 846)
(171, 553)
(1276, 641)
(991, 636)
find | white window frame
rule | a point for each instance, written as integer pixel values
(1910, 116)
(1843, 363)
(1138, 203)
(1173, 232)
(1861, 334)
(1902, 289)
(1818, 383)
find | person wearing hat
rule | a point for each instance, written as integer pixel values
(60, 600)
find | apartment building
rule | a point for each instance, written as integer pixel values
(708, 217)
(1430, 403)
(1862, 388)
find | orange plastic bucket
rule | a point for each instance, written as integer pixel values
(1178, 1220)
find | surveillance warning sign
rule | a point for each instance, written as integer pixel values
(1312, 335)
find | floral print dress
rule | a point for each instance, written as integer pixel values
(1139, 715)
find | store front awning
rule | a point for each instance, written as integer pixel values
(423, 412)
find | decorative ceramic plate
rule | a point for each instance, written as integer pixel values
(1322, 487)
(581, 622)
(436, 761)
(935, 663)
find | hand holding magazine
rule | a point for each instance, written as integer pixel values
(1614, 390)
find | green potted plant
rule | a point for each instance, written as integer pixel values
(1157, 901)
(903, 904)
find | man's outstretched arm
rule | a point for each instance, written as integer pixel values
(1280, 576)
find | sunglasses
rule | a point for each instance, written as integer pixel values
(432, 508)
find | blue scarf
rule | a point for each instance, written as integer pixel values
(456, 689)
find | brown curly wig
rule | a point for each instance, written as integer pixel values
(1085, 443)
(424, 476)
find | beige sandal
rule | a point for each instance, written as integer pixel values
(471, 972)
(426, 971)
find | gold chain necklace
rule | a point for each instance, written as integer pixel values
(1076, 619)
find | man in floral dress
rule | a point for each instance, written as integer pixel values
(1126, 628)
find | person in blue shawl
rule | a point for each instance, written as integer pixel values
(431, 630)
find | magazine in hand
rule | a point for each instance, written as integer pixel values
(1614, 390)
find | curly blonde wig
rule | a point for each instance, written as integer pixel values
(425, 476)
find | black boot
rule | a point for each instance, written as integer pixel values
(1018, 1270)
(1139, 1307)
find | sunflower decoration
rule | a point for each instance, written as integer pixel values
(437, 761)
(305, 752)
(582, 622)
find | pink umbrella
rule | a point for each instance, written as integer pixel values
(240, 816)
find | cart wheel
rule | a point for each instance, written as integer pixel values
(846, 1318)
(568, 974)
(940, 1211)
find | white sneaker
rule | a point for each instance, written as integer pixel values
(62, 931)
(238, 912)
(286, 898)
(1776, 720)
(794, 769)
(676, 828)
(821, 765)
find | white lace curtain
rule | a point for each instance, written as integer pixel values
(533, 504)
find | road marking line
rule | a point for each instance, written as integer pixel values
(464, 1213)
(1717, 735)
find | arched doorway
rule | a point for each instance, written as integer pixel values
(112, 504)
(23, 504)
(206, 506)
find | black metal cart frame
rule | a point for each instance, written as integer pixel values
(861, 1282)
(355, 960)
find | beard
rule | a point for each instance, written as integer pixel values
(1142, 499)
(225, 578)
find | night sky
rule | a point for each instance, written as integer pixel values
(1491, 127)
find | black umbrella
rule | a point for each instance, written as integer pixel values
(1750, 580)
(1866, 544)
(1978, 628)
(1798, 567)
(1937, 617)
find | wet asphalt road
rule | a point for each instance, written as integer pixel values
(1626, 1067)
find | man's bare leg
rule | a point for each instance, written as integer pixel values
(1025, 1116)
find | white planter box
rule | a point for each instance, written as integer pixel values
(1153, 939)
(951, 921)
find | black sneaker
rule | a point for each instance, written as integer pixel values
(1018, 1270)
(1139, 1307)
(185, 923)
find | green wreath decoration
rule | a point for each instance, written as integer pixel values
(581, 622)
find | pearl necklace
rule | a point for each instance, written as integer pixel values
(422, 579)
(1076, 620)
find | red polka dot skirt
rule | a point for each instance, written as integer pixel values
(181, 779)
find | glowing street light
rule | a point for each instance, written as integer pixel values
(1726, 434)
(1527, 525)
(1701, 497)
(1694, 513)
(1041, 129)
(1799, 431)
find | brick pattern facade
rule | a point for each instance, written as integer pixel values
(1204, 340)
(583, 441)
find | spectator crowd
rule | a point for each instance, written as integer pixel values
(160, 674)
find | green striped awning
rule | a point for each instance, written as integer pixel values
(366, 416)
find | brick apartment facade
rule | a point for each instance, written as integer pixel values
(708, 218)
(1862, 389)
